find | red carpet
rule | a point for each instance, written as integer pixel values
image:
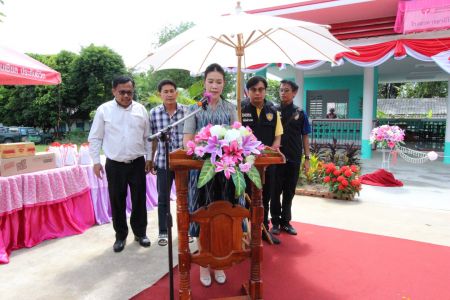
(329, 263)
(380, 177)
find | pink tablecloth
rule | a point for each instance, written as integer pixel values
(38, 206)
(100, 197)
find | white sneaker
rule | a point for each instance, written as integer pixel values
(205, 276)
(219, 276)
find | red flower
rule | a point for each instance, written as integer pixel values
(326, 179)
(354, 168)
(355, 182)
(340, 178)
(344, 182)
(337, 173)
(341, 187)
(348, 173)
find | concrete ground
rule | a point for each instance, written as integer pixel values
(85, 267)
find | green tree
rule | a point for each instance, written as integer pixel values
(91, 77)
(389, 90)
(169, 32)
(424, 89)
(272, 93)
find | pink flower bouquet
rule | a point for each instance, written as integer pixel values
(387, 136)
(231, 150)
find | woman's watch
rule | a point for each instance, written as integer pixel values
(306, 157)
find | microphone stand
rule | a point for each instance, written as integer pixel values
(164, 136)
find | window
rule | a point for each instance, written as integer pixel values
(319, 102)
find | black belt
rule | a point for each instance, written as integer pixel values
(126, 161)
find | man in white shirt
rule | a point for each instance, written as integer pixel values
(121, 128)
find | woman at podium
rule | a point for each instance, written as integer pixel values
(218, 112)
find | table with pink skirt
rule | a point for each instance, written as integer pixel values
(43, 205)
(38, 206)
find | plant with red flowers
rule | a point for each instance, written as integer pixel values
(342, 181)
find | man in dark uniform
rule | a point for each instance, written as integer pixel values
(295, 138)
(264, 120)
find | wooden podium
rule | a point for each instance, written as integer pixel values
(221, 233)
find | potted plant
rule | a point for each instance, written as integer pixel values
(343, 182)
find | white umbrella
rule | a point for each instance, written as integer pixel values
(243, 40)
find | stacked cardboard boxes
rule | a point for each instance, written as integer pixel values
(20, 158)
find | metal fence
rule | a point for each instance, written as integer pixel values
(345, 131)
(420, 134)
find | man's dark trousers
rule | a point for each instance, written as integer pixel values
(163, 193)
(267, 192)
(121, 175)
(285, 182)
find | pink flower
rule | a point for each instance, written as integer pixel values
(245, 167)
(227, 169)
(199, 151)
(204, 134)
(190, 147)
(233, 151)
(236, 125)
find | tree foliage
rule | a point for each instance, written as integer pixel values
(86, 83)
(413, 90)
(92, 73)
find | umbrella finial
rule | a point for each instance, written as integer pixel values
(238, 7)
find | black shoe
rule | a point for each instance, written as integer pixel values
(143, 241)
(289, 229)
(275, 240)
(119, 245)
(275, 229)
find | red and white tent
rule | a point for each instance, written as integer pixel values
(437, 50)
(19, 69)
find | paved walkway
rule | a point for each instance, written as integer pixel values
(85, 267)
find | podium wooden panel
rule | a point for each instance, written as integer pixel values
(220, 227)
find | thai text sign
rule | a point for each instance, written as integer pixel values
(433, 17)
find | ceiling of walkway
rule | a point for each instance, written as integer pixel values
(405, 70)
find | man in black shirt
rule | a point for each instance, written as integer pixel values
(262, 117)
(294, 141)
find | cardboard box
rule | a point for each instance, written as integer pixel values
(27, 164)
(17, 150)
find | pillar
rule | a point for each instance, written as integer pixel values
(447, 128)
(367, 113)
(300, 80)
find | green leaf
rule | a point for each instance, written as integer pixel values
(253, 174)
(239, 183)
(206, 174)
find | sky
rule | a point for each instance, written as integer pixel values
(129, 27)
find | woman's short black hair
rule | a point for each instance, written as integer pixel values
(214, 68)
(255, 80)
(165, 82)
(121, 80)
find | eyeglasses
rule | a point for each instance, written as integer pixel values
(123, 93)
(285, 90)
(259, 90)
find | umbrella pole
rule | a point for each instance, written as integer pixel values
(239, 54)
(239, 89)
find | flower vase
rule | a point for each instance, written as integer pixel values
(386, 157)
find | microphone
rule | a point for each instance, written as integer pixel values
(205, 100)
